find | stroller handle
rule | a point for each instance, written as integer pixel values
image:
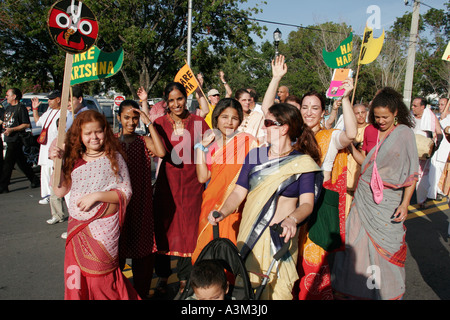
(279, 229)
(216, 214)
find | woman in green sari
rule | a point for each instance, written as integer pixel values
(373, 263)
(278, 184)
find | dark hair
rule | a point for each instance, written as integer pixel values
(127, 103)
(253, 94)
(239, 93)
(293, 98)
(316, 94)
(17, 92)
(391, 99)
(423, 101)
(298, 132)
(224, 104)
(77, 92)
(206, 273)
(172, 86)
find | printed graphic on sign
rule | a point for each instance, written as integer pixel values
(72, 26)
(370, 47)
(339, 75)
(340, 57)
(95, 64)
(186, 77)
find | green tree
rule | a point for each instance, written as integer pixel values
(153, 34)
(28, 56)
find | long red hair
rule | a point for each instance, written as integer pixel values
(74, 147)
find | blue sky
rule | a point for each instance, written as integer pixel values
(352, 12)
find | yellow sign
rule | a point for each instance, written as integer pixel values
(446, 55)
(370, 47)
(186, 77)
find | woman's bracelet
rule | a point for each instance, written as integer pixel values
(201, 147)
(295, 220)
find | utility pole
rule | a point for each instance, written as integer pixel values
(189, 46)
(413, 36)
(189, 37)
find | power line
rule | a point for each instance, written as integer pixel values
(293, 25)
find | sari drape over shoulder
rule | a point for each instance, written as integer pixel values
(372, 265)
(256, 241)
(313, 267)
(92, 258)
(226, 164)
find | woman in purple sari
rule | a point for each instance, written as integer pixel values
(373, 263)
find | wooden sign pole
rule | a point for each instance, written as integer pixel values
(62, 118)
(356, 83)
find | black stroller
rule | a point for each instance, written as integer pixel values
(224, 251)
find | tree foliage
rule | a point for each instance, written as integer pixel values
(154, 35)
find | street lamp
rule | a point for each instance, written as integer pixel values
(276, 38)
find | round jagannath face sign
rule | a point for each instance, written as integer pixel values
(72, 26)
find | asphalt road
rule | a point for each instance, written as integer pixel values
(32, 252)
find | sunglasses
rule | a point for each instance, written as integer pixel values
(268, 123)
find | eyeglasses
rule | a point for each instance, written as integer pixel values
(268, 123)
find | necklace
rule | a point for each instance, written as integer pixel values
(280, 154)
(95, 154)
(178, 125)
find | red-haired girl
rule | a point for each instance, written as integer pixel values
(96, 175)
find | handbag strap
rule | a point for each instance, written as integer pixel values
(44, 127)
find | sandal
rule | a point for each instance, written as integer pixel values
(161, 286)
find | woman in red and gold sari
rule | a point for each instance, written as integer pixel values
(219, 163)
(314, 247)
(96, 175)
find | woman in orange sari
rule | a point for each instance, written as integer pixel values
(219, 164)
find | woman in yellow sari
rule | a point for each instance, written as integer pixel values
(219, 164)
(277, 183)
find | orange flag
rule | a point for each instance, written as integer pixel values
(186, 77)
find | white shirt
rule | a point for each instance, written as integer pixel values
(52, 133)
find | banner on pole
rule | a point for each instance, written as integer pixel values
(95, 64)
(186, 77)
(370, 47)
(446, 55)
(340, 57)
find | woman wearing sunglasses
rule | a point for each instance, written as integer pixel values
(315, 242)
(278, 184)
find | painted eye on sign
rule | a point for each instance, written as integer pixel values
(72, 26)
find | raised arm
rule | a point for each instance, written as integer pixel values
(203, 103)
(153, 142)
(279, 69)
(142, 94)
(203, 173)
(35, 103)
(228, 90)
(333, 114)
(351, 126)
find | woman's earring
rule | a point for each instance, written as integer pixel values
(395, 121)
